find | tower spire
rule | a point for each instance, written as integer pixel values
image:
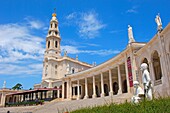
(53, 38)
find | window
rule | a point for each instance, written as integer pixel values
(55, 69)
(51, 25)
(56, 44)
(157, 66)
(48, 44)
(49, 32)
(55, 25)
(46, 70)
(56, 32)
(73, 70)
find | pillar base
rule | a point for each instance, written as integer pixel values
(111, 93)
(78, 97)
(119, 92)
(86, 97)
(94, 96)
(102, 94)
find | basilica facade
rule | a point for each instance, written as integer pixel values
(79, 80)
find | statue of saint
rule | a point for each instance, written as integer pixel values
(130, 34)
(4, 85)
(138, 93)
(65, 53)
(158, 22)
(146, 81)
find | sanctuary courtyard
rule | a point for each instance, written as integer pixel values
(65, 79)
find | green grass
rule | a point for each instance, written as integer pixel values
(161, 105)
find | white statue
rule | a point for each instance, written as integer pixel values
(4, 85)
(158, 22)
(130, 34)
(138, 93)
(65, 53)
(146, 81)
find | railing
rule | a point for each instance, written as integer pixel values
(24, 103)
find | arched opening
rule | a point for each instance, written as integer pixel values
(106, 90)
(48, 44)
(73, 70)
(56, 44)
(156, 66)
(97, 91)
(10, 99)
(51, 25)
(56, 33)
(49, 33)
(60, 91)
(115, 88)
(65, 90)
(55, 25)
(15, 99)
(55, 92)
(124, 86)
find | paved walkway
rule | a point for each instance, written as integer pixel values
(60, 107)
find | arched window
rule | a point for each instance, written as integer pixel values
(51, 25)
(56, 44)
(156, 65)
(48, 44)
(55, 25)
(73, 70)
(46, 70)
(49, 32)
(55, 69)
(56, 32)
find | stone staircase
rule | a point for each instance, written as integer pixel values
(58, 106)
(62, 106)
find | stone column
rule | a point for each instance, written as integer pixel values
(63, 90)
(102, 86)
(86, 89)
(58, 92)
(94, 88)
(120, 80)
(127, 76)
(78, 90)
(68, 87)
(70, 90)
(111, 84)
(73, 92)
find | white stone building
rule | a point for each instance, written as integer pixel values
(80, 80)
(67, 78)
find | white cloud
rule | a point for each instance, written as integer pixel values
(88, 23)
(71, 16)
(76, 50)
(132, 10)
(17, 43)
(14, 69)
(18, 48)
(34, 24)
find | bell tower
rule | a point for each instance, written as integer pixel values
(53, 39)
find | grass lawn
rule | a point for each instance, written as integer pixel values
(161, 105)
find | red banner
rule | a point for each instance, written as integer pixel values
(130, 72)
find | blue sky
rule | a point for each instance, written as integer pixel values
(95, 30)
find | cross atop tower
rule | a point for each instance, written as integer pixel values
(54, 14)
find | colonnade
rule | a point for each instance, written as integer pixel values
(89, 84)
